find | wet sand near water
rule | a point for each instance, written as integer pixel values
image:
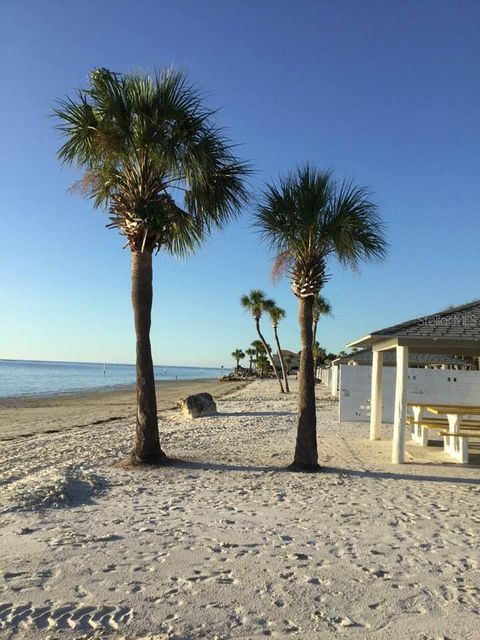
(26, 416)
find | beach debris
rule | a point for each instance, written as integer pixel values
(25, 531)
(241, 375)
(198, 405)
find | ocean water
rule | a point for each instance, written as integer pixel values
(33, 377)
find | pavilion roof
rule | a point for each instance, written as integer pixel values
(364, 356)
(452, 328)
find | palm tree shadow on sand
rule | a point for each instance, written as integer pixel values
(255, 414)
(338, 471)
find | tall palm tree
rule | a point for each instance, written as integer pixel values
(321, 307)
(276, 314)
(238, 355)
(308, 218)
(257, 303)
(151, 155)
(251, 353)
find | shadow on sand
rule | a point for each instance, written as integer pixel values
(392, 475)
(375, 475)
(254, 414)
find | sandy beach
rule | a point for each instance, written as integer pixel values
(225, 543)
(26, 416)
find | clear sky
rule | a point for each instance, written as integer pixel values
(386, 93)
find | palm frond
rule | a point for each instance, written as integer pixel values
(276, 313)
(321, 307)
(306, 217)
(150, 153)
(256, 302)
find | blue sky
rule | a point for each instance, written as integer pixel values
(385, 93)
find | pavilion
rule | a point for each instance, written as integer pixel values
(454, 331)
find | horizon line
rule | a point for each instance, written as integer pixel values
(115, 364)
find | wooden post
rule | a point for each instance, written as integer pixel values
(376, 396)
(399, 422)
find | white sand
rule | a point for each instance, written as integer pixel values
(227, 544)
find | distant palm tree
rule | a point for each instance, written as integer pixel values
(238, 355)
(262, 364)
(251, 353)
(257, 304)
(321, 307)
(276, 314)
(319, 355)
(151, 155)
(259, 349)
(258, 346)
(307, 218)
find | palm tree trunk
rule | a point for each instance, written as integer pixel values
(269, 354)
(306, 455)
(282, 364)
(147, 445)
(314, 340)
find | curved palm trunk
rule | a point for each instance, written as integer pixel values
(306, 455)
(147, 444)
(314, 339)
(280, 357)
(269, 354)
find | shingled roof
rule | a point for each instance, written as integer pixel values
(364, 356)
(453, 325)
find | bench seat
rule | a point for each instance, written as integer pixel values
(440, 424)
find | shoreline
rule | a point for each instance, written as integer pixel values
(25, 416)
(112, 388)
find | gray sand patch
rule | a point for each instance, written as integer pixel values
(71, 485)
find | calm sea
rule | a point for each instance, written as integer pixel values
(31, 377)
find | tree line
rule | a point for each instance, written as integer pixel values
(258, 304)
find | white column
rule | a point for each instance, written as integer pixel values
(399, 422)
(456, 447)
(376, 396)
(419, 433)
(334, 380)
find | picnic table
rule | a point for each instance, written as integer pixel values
(455, 429)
